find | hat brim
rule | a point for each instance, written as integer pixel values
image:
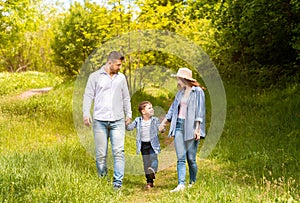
(175, 75)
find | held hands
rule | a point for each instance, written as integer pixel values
(128, 121)
(161, 128)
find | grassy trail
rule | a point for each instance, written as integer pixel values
(42, 159)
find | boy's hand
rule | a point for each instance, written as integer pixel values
(161, 128)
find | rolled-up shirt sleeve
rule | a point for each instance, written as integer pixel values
(126, 100)
(200, 114)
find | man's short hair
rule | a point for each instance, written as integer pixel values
(143, 105)
(114, 55)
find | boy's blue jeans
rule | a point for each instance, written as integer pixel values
(185, 150)
(115, 131)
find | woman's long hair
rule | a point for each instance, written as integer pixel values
(191, 83)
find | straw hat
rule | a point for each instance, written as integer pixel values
(184, 73)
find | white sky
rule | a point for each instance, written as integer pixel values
(67, 3)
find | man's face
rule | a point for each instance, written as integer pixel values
(115, 66)
(148, 111)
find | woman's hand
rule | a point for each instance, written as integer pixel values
(161, 128)
(197, 134)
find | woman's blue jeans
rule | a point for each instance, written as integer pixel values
(115, 131)
(185, 150)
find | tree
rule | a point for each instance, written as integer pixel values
(19, 23)
(81, 30)
(258, 36)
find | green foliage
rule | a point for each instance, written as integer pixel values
(82, 30)
(260, 37)
(161, 100)
(24, 35)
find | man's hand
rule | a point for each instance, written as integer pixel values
(87, 121)
(128, 121)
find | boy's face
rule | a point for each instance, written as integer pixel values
(148, 111)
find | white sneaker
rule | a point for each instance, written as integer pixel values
(179, 187)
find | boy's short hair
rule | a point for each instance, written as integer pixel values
(143, 105)
(114, 55)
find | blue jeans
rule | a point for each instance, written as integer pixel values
(149, 160)
(115, 131)
(185, 150)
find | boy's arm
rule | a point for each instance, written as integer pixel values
(132, 125)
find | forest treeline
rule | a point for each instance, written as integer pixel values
(251, 42)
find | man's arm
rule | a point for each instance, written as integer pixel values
(88, 98)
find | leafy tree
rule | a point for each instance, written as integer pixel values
(259, 37)
(81, 30)
(18, 23)
(25, 32)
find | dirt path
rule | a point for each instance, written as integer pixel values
(32, 92)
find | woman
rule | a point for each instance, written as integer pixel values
(187, 117)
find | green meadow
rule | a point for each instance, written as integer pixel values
(42, 159)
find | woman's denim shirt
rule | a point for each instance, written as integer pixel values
(154, 140)
(195, 112)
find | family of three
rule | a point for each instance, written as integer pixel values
(107, 90)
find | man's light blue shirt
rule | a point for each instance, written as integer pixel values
(110, 95)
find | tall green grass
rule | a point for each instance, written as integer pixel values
(42, 159)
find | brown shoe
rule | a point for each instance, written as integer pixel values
(149, 185)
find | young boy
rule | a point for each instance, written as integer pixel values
(147, 140)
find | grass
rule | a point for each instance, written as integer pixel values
(42, 159)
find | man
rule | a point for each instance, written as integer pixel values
(109, 91)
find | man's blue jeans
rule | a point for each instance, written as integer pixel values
(115, 131)
(185, 150)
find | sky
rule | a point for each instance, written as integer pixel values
(67, 3)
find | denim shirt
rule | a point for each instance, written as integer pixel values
(137, 123)
(195, 112)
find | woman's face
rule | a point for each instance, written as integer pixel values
(180, 83)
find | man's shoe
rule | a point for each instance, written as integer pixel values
(151, 172)
(179, 187)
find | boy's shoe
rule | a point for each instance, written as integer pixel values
(179, 187)
(117, 187)
(151, 172)
(191, 184)
(149, 185)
